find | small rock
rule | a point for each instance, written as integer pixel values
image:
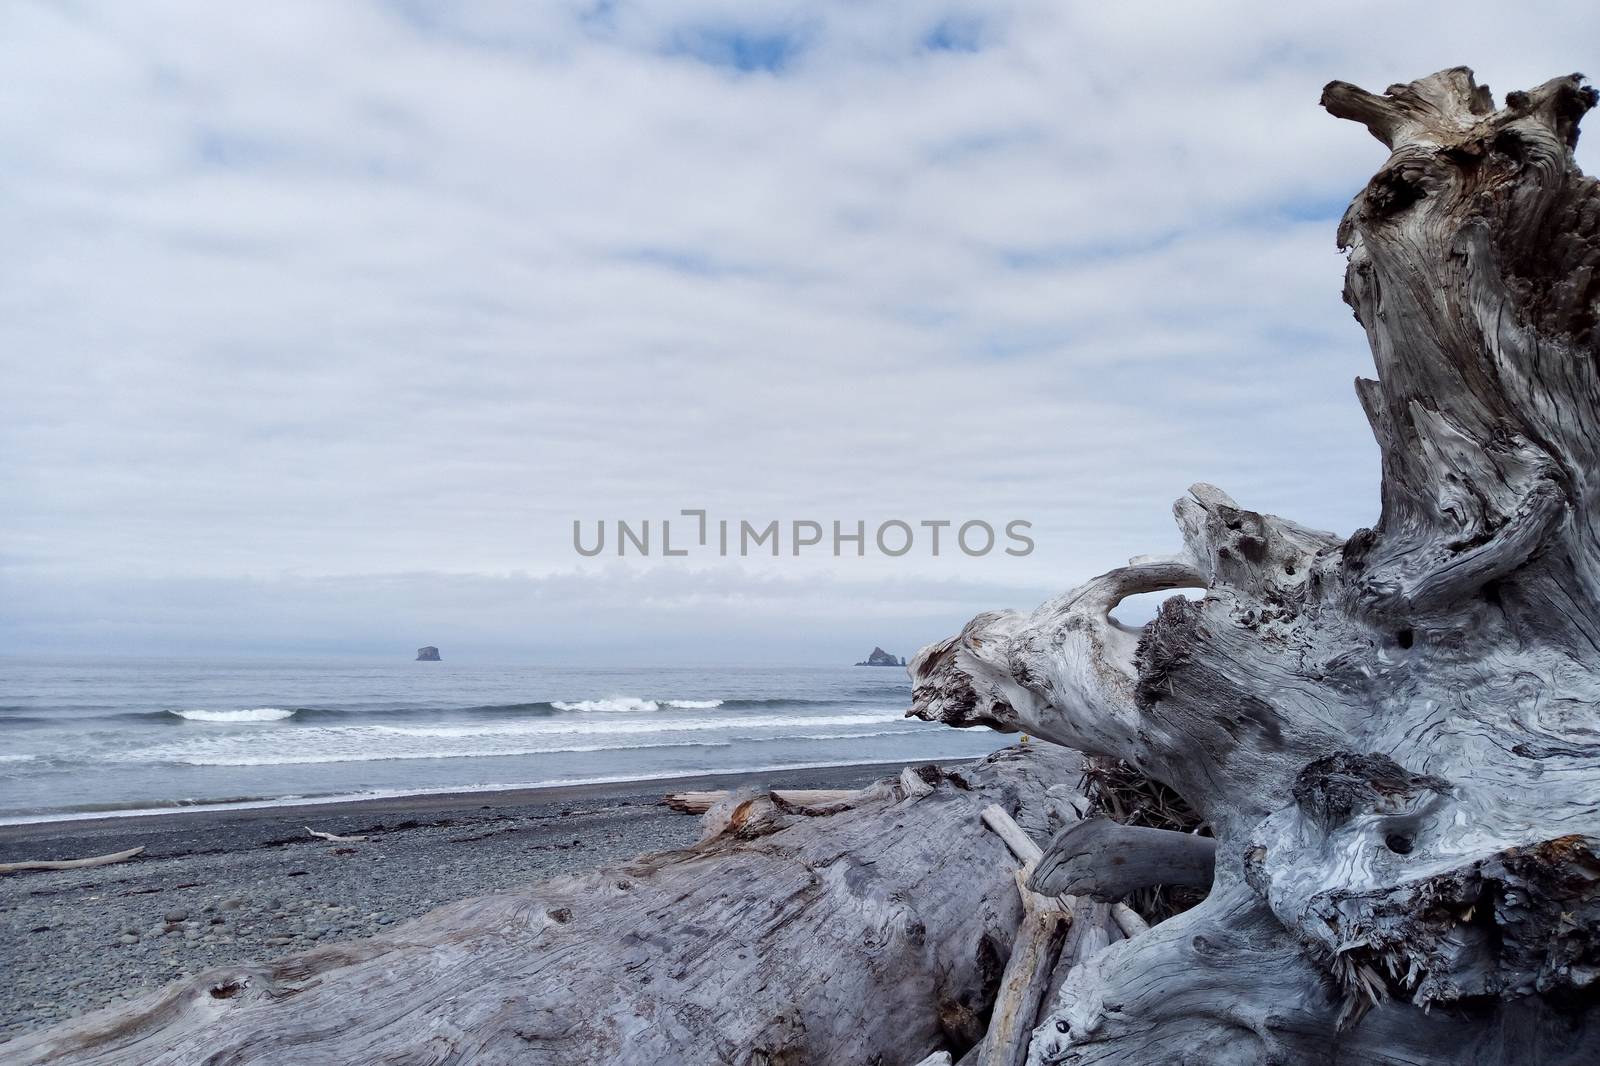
(274, 904)
(177, 914)
(128, 939)
(231, 904)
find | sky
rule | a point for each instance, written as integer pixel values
(321, 324)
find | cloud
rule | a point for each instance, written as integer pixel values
(333, 292)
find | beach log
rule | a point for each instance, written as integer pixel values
(876, 934)
(694, 802)
(1391, 735)
(68, 864)
(817, 800)
(701, 802)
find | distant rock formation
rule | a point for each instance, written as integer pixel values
(879, 657)
(430, 654)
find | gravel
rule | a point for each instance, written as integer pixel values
(221, 888)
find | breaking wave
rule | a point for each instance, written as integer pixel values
(633, 703)
(299, 758)
(248, 714)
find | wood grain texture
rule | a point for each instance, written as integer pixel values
(1394, 735)
(1099, 858)
(878, 934)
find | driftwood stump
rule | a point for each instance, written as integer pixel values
(877, 934)
(1395, 737)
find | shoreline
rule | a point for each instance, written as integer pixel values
(222, 887)
(516, 794)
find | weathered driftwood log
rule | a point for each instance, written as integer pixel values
(1099, 858)
(694, 802)
(1394, 736)
(68, 864)
(877, 934)
(701, 802)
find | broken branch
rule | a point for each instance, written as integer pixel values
(68, 864)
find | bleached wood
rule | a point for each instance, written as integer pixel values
(812, 798)
(1128, 920)
(1022, 846)
(878, 933)
(1022, 989)
(912, 784)
(694, 802)
(68, 864)
(701, 802)
(1391, 735)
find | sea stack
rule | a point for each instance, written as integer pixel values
(879, 657)
(430, 654)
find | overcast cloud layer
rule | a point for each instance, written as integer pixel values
(320, 323)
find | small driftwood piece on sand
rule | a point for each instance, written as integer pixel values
(334, 838)
(68, 864)
(877, 933)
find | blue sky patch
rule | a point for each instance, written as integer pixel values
(960, 33)
(738, 48)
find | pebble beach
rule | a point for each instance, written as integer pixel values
(213, 888)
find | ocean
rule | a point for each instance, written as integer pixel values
(90, 737)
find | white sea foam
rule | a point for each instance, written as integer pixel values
(248, 714)
(444, 790)
(280, 758)
(551, 727)
(17, 758)
(853, 736)
(379, 743)
(616, 703)
(634, 703)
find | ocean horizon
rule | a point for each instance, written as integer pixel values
(91, 737)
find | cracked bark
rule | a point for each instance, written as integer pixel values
(1394, 736)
